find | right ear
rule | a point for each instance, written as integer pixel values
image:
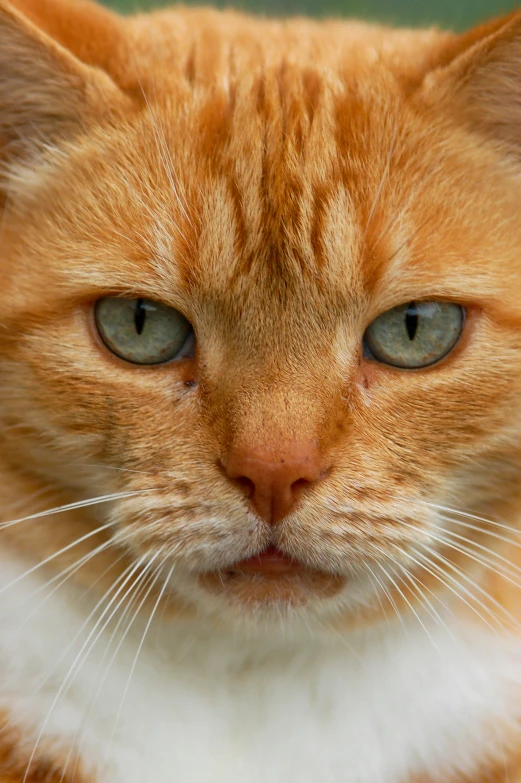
(46, 93)
(482, 85)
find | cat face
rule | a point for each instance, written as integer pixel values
(193, 262)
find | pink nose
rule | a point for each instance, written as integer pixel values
(272, 483)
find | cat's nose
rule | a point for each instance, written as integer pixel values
(274, 483)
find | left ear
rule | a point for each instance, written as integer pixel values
(46, 93)
(482, 85)
(89, 31)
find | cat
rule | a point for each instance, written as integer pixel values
(260, 372)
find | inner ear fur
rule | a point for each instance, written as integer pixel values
(482, 85)
(46, 92)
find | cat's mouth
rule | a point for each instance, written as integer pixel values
(272, 576)
(271, 562)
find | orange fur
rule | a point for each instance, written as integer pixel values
(15, 753)
(281, 184)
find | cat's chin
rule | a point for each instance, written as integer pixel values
(271, 578)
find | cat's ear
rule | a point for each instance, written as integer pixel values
(46, 92)
(91, 32)
(482, 85)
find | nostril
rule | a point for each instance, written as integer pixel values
(246, 485)
(243, 482)
(299, 485)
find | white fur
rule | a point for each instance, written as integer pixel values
(209, 706)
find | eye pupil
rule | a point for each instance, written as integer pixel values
(140, 316)
(412, 320)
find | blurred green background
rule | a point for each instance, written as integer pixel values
(446, 13)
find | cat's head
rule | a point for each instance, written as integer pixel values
(262, 281)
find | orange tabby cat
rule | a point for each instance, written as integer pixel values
(260, 372)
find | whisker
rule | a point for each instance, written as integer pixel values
(124, 554)
(491, 533)
(138, 586)
(461, 587)
(399, 213)
(165, 156)
(413, 581)
(441, 579)
(377, 594)
(169, 166)
(409, 239)
(52, 557)
(485, 560)
(76, 566)
(467, 515)
(387, 595)
(64, 576)
(77, 635)
(418, 584)
(125, 575)
(383, 179)
(57, 662)
(76, 505)
(125, 470)
(141, 643)
(411, 607)
(77, 662)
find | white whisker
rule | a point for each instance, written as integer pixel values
(442, 579)
(77, 662)
(73, 506)
(52, 557)
(64, 576)
(141, 643)
(383, 179)
(420, 587)
(411, 607)
(136, 588)
(387, 595)
(467, 515)
(508, 571)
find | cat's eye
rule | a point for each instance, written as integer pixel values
(416, 334)
(142, 331)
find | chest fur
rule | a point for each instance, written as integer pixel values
(187, 706)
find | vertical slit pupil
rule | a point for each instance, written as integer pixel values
(140, 316)
(412, 320)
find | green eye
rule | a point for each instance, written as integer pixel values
(142, 331)
(416, 334)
